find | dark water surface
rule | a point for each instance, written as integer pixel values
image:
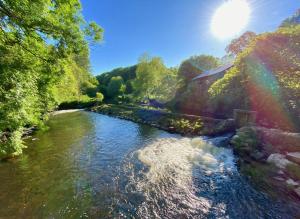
(92, 166)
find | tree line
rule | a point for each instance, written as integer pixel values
(151, 79)
(265, 73)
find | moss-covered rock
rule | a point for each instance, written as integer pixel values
(253, 139)
(246, 144)
(262, 158)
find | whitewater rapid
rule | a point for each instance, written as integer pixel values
(167, 182)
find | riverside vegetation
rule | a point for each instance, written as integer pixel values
(45, 64)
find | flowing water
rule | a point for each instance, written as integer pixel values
(89, 165)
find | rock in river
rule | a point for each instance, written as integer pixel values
(278, 160)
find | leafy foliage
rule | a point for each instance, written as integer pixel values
(266, 74)
(154, 80)
(99, 97)
(127, 74)
(44, 61)
(238, 45)
(150, 78)
(195, 65)
(167, 86)
(185, 125)
(116, 87)
(149, 74)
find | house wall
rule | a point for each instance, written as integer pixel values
(195, 99)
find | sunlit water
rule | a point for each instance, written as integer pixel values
(92, 166)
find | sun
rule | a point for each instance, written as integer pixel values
(230, 18)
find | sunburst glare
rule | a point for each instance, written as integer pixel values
(230, 18)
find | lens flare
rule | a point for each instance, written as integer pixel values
(230, 18)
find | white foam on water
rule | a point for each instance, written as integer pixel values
(65, 111)
(168, 182)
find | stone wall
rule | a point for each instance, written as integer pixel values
(244, 118)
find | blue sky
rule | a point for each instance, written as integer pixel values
(171, 29)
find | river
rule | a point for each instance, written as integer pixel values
(88, 165)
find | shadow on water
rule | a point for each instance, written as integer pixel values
(42, 181)
(93, 166)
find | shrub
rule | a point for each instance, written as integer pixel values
(99, 97)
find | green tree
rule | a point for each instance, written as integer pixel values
(38, 43)
(266, 73)
(116, 87)
(127, 73)
(238, 45)
(99, 97)
(149, 74)
(195, 65)
(168, 85)
(129, 87)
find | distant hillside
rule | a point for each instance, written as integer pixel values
(128, 74)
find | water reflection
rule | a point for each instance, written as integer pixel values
(43, 181)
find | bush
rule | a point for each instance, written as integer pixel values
(266, 74)
(77, 104)
(99, 97)
(116, 87)
(11, 144)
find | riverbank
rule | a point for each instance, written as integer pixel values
(188, 125)
(7, 138)
(268, 157)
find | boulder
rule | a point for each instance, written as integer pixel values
(278, 160)
(271, 140)
(280, 140)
